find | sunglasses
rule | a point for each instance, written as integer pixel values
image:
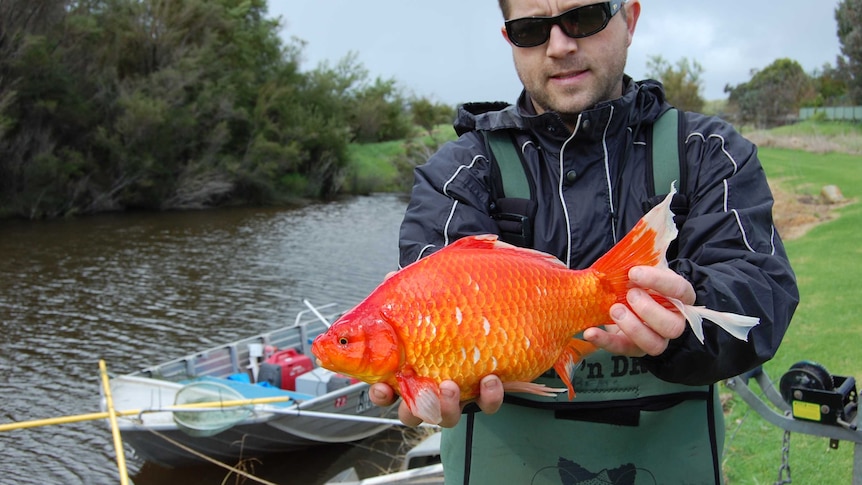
(576, 23)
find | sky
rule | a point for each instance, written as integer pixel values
(453, 52)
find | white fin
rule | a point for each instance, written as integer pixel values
(732, 323)
(427, 406)
(660, 218)
(532, 388)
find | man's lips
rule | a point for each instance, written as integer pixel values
(568, 75)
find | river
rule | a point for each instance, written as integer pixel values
(137, 289)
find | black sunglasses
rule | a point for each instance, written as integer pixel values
(576, 23)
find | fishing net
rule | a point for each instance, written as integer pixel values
(210, 418)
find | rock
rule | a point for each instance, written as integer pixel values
(831, 194)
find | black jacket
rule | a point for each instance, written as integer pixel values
(728, 247)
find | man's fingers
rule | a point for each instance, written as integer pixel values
(490, 399)
(663, 281)
(641, 335)
(490, 394)
(615, 342)
(450, 407)
(381, 394)
(667, 324)
(406, 416)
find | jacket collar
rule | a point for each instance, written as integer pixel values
(642, 101)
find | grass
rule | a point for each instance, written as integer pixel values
(819, 128)
(813, 136)
(370, 167)
(825, 328)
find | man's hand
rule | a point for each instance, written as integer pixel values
(647, 327)
(490, 399)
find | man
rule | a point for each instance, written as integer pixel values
(646, 409)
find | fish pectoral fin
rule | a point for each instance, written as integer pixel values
(531, 388)
(571, 356)
(422, 395)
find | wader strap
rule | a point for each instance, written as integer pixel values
(667, 166)
(515, 183)
(512, 191)
(468, 445)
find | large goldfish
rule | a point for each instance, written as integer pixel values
(480, 306)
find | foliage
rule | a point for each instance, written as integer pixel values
(118, 104)
(774, 94)
(831, 86)
(428, 114)
(372, 167)
(682, 83)
(848, 14)
(417, 151)
(388, 166)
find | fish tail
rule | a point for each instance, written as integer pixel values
(645, 245)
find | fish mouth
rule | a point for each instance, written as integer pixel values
(319, 355)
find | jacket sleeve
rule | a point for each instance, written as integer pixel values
(732, 254)
(449, 200)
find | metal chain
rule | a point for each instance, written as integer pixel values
(784, 469)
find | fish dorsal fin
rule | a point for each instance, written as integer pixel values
(492, 242)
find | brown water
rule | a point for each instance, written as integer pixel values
(139, 289)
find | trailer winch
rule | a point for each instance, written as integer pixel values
(809, 400)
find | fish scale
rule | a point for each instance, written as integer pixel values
(535, 307)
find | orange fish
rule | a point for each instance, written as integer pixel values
(480, 306)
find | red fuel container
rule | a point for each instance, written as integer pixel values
(282, 368)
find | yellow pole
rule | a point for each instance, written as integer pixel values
(75, 418)
(115, 430)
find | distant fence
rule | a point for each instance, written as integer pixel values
(842, 113)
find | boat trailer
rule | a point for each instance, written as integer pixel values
(810, 401)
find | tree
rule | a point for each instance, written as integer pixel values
(428, 114)
(682, 83)
(848, 14)
(115, 104)
(831, 86)
(773, 95)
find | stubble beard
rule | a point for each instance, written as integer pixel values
(568, 105)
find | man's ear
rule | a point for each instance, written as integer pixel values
(633, 11)
(505, 34)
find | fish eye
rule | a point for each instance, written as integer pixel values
(343, 341)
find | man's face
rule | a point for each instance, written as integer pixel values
(569, 75)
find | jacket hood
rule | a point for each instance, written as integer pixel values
(642, 101)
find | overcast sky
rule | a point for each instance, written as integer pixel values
(452, 51)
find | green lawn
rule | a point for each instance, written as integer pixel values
(825, 329)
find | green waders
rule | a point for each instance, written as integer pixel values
(623, 427)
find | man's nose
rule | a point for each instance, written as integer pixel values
(560, 44)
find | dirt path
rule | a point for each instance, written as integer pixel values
(795, 215)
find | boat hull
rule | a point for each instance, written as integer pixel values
(156, 438)
(146, 402)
